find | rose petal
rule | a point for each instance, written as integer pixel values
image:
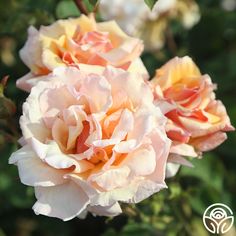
(183, 149)
(109, 211)
(171, 169)
(209, 142)
(33, 171)
(98, 91)
(63, 201)
(146, 189)
(112, 178)
(142, 161)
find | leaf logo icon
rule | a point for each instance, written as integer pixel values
(226, 224)
(218, 218)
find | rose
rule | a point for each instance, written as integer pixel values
(132, 15)
(90, 141)
(195, 118)
(128, 14)
(136, 18)
(75, 42)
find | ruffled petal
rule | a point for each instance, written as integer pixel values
(33, 171)
(112, 178)
(142, 161)
(209, 142)
(63, 201)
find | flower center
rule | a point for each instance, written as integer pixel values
(87, 47)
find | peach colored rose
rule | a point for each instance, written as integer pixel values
(90, 142)
(197, 122)
(73, 42)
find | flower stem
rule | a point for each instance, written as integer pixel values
(81, 7)
(171, 41)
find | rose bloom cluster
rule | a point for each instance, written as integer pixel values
(96, 132)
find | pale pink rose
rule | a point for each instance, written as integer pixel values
(91, 141)
(197, 122)
(73, 42)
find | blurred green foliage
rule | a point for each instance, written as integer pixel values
(175, 211)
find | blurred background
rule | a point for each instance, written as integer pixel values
(204, 30)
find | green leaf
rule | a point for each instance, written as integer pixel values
(150, 3)
(66, 9)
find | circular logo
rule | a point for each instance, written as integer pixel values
(218, 218)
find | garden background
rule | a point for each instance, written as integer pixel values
(177, 210)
